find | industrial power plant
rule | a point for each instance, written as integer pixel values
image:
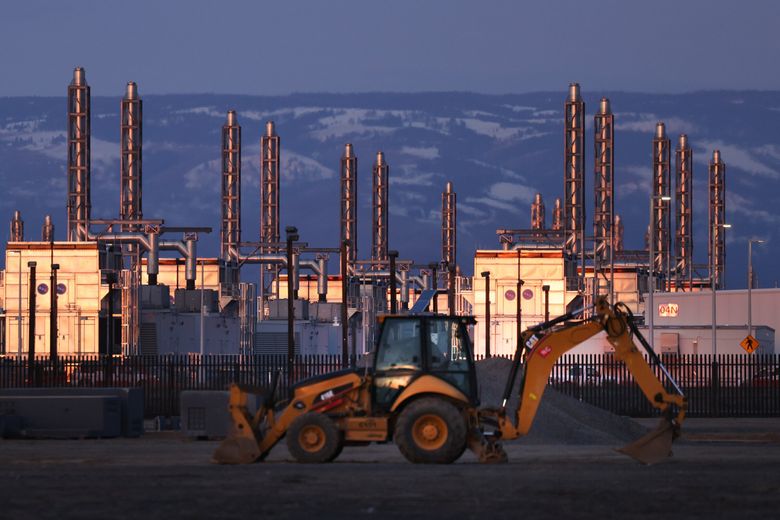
(126, 285)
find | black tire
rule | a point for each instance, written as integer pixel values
(313, 438)
(431, 431)
(338, 452)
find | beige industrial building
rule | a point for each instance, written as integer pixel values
(80, 296)
(537, 268)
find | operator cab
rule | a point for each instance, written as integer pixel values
(414, 345)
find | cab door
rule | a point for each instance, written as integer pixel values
(398, 359)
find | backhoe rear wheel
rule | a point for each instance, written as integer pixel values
(314, 438)
(431, 431)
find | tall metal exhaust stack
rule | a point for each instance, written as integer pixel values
(17, 227)
(348, 214)
(538, 220)
(683, 271)
(618, 236)
(449, 242)
(79, 121)
(557, 218)
(230, 231)
(270, 147)
(131, 138)
(270, 157)
(574, 177)
(381, 193)
(449, 226)
(662, 214)
(47, 231)
(604, 188)
(717, 217)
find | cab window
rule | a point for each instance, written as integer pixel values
(400, 346)
(448, 350)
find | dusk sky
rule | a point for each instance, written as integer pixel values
(348, 46)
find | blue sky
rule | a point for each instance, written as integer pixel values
(400, 45)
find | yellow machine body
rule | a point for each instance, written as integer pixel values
(428, 416)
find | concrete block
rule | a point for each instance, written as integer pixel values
(66, 417)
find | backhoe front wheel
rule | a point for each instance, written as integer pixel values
(431, 431)
(314, 438)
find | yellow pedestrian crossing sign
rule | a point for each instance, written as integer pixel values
(750, 344)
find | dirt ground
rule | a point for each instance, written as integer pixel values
(724, 469)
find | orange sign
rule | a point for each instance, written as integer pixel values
(750, 344)
(668, 310)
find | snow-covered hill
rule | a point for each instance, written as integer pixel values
(498, 151)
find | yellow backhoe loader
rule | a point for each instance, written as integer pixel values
(421, 393)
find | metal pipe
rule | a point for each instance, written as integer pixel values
(574, 176)
(47, 231)
(419, 281)
(604, 191)
(230, 231)
(451, 290)
(519, 305)
(131, 139)
(344, 294)
(538, 220)
(661, 216)
(557, 222)
(381, 208)
(31, 325)
(139, 239)
(684, 215)
(190, 272)
(404, 290)
(202, 310)
(322, 277)
(292, 236)
(17, 227)
(750, 283)
(393, 302)
(717, 216)
(110, 328)
(79, 155)
(618, 233)
(295, 276)
(486, 276)
(349, 202)
(546, 291)
(449, 225)
(153, 258)
(435, 287)
(270, 150)
(53, 312)
(713, 287)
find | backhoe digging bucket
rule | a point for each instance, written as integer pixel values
(236, 450)
(654, 447)
(242, 446)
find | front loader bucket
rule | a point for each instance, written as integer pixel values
(236, 450)
(654, 447)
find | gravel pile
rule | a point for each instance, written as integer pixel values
(560, 419)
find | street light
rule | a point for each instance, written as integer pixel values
(712, 283)
(750, 282)
(651, 268)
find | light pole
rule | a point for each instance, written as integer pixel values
(712, 283)
(19, 310)
(486, 276)
(651, 268)
(750, 282)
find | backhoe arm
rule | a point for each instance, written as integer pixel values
(543, 351)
